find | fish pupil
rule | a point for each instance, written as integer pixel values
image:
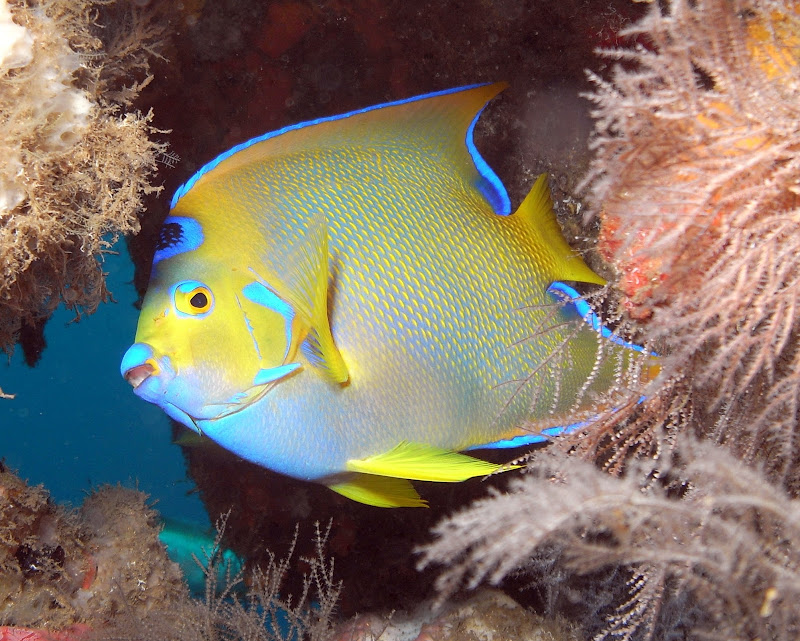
(199, 300)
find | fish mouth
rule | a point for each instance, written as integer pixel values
(137, 375)
(139, 364)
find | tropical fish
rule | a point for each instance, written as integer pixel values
(350, 301)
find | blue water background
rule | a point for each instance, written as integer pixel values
(75, 424)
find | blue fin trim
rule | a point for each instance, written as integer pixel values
(178, 234)
(541, 437)
(531, 439)
(489, 184)
(273, 374)
(565, 292)
(582, 308)
(489, 176)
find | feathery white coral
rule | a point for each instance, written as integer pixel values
(697, 185)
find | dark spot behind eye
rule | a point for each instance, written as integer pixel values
(171, 234)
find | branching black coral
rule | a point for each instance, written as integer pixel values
(236, 609)
(265, 615)
(721, 538)
(696, 182)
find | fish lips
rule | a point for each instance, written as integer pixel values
(136, 375)
(147, 374)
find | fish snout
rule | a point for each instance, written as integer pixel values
(138, 364)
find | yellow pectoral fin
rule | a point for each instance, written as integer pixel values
(309, 294)
(424, 463)
(380, 491)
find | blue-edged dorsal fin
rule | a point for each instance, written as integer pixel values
(563, 262)
(442, 122)
(307, 285)
(380, 491)
(421, 462)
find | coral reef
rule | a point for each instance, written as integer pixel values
(262, 614)
(60, 568)
(695, 183)
(711, 551)
(101, 573)
(489, 615)
(75, 160)
(33, 533)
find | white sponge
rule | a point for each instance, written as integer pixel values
(16, 43)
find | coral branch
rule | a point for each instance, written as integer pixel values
(713, 532)
(696, 182)
(73, 166)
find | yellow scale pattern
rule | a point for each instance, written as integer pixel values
(409, 321)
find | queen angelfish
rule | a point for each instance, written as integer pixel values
(350, 301)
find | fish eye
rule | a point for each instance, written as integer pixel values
(199, 300)
(192, 298)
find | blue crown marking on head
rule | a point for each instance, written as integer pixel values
(178, 234)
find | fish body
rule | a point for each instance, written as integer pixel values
(350, 301)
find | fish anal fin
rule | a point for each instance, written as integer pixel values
(563, 261)
(421, 462)
(308, 284)
(380, 491)
(571, 297)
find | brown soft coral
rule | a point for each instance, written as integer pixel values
(74, 165)
(696, 182)
(60, 568)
